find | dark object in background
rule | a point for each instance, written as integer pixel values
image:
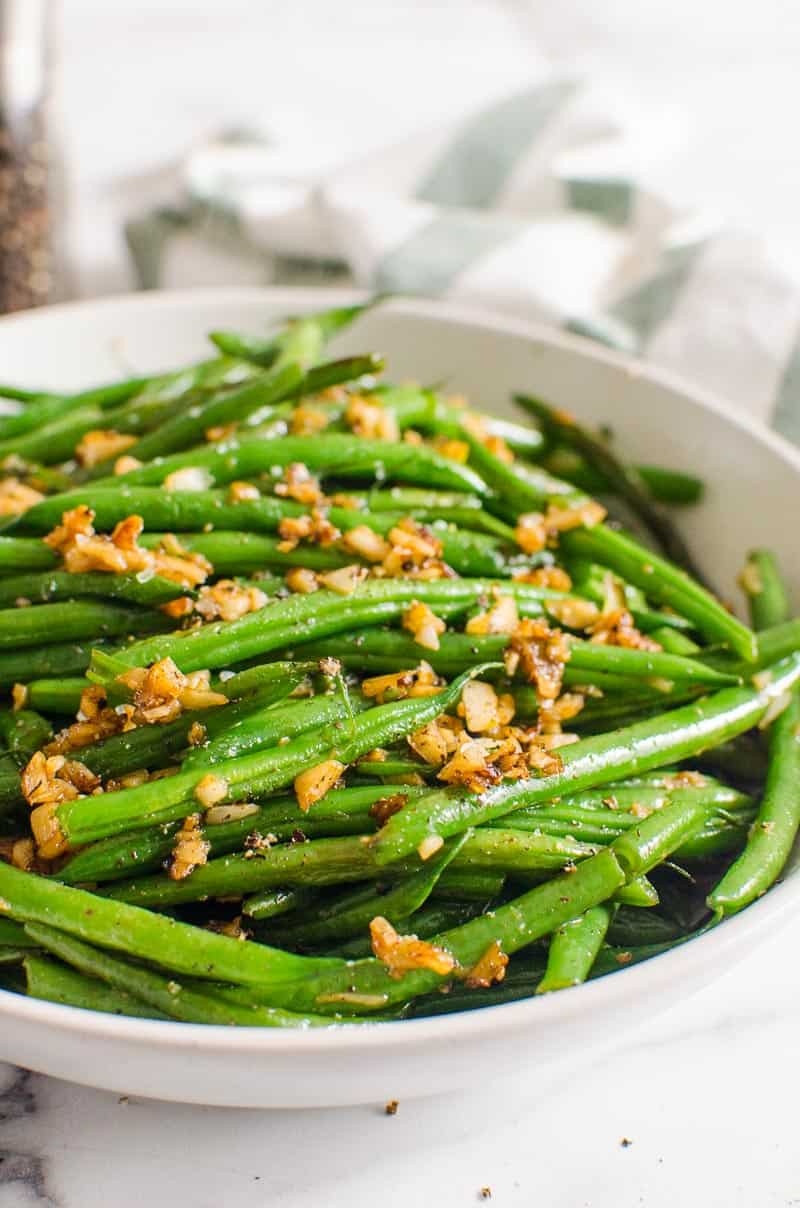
(26, 252)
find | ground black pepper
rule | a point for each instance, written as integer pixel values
(26, 264)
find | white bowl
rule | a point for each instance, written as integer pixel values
(753, 480)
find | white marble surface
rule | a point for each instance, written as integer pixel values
(706, 1094)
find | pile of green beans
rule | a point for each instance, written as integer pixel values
(316, 777)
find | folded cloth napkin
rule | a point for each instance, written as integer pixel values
(538, 205)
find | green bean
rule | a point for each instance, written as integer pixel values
(412, 499)
(464, 884)
(623, 478)
(340, 812)
(353, 911)
(665, 486)
(435, 916)
(392, 766)
(592, 761)
(595, 823)
(51, 980)
(171, 944)
(774, 644)
(380, 648)
(50, 586)
(25, 553)
(663, 582)
(340, 453)
(520, 982)
(86, 819)
(164, 994)
(187, 427)
(20, 395)
(60, 659)
(519, 487)
(44, 408)
(161, 396)
(639, 892)
(56, 440)
(448, 420)
(24, 732)
(272, 725)
(673, 641)
(274, 903)
(671, 486)
(366, 985)
(193, 510)
(153, 746)
(765, 589)
(591, 580)
(647, 844)
(61, 695)
(242, 553)
(306, 335)
(573, 949)
(776, 825)
(255, 401)
(330, 861)
(338, 859)
(72, 621)
(303, 617)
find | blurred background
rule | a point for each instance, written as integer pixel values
(626, 171)
(143, 82)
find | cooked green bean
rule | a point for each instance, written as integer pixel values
(86, 819)
(49, 586)
(624, 480)
(166, 995)
(665, 486)
(303, 617)
(592, 761)
(765, 590)
(573, 949)
(662, 582)
(522, 767)
(340, 812)
(345, 455)
(392, 650)
(51, 980)
(775, 827)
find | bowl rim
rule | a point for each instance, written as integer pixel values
(687, 961)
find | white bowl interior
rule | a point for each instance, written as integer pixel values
(752, 479)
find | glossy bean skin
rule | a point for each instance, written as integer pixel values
(573, 949)
(775, 827)
(664, 582)
(625, 480)
(590, 762)
(765, 590)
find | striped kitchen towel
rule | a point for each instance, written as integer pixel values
(538, 205)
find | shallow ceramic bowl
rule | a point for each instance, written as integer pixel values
(753, 482)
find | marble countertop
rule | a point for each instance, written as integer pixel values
(694, 1110)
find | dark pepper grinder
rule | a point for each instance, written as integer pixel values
(27, 261)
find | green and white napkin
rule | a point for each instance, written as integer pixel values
(537, 205)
